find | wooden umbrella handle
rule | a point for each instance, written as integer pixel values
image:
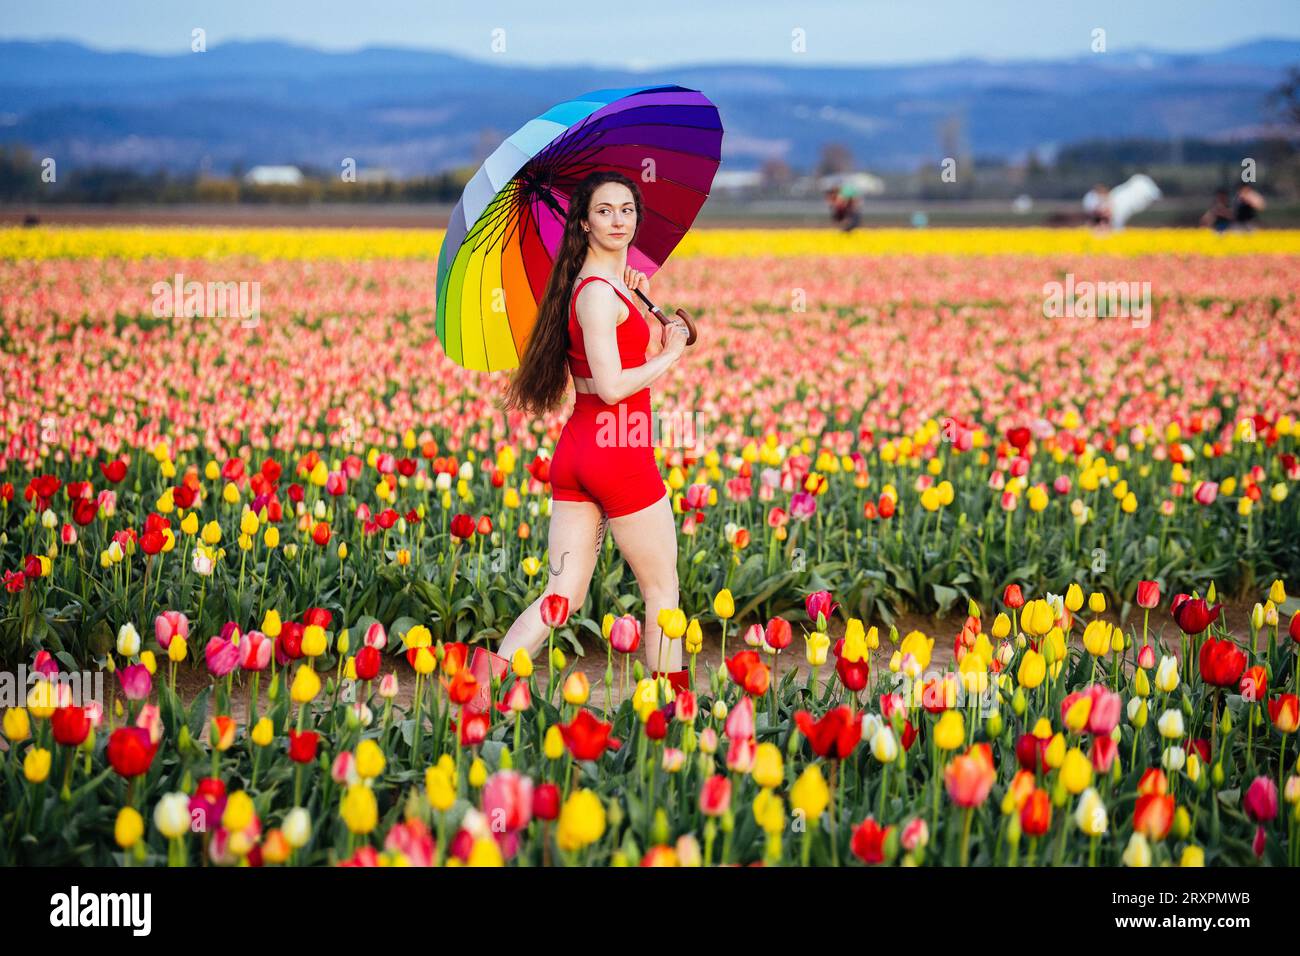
(690, 339)
(658, 313)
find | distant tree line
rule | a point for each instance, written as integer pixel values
(21, 180)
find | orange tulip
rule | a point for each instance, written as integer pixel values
(969, 777)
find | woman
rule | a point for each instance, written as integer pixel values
(603, 470)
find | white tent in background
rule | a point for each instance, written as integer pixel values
(853, 184)
(1130, 198)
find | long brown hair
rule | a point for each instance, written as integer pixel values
(540, 382)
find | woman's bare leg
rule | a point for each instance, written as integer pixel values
(576, 534)
(648, 542)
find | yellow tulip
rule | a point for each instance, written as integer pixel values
(306, 685)
(582, 821)
(576, 688)
(313, 640)
(440, 787)
(1032, 669)
(810, 795)
(370, 760)
(767, 770)
(950, 731)
(36, 765)
(1096, 638)
(17, 725)
(1073, 598)
(724, 605)
(360, 810)
(128, 827)
(919, 646)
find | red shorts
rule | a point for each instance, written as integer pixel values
(606, 455)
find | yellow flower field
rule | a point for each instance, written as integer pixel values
(147, 242)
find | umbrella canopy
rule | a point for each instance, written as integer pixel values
(506, 229)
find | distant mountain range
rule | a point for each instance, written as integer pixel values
(414, 111)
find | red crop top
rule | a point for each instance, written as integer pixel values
(633, 334)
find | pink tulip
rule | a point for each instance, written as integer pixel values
(170, 624)
(518, 698)
(625, 634)
(508, 800)
(150, 718)
(221, 655)
(1260, 801)
(135, 680)
(740, 721)
(376, 636)
(740, 756)
(255, 651)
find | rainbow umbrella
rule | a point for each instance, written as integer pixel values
(506, 229)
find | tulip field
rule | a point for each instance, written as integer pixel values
(954, 563)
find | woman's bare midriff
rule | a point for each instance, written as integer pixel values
(587, 385)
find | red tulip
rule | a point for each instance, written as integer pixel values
(85, 510)
(130, 751)
(321, 617)
(473, 727)
(779, 634)
(868, 842)
(1222, 662)
(852, 674)
(302, 745)
(367, 663)
(835, 735)
(656, 726)
(462, 687)
(288, 646)
(1029, 752)
(1153, 815)
(1036, 813)
(462, 526)
(1254, 684)
(321, 533)
(555, 610)
(70, 725)
(749, 672)
(114, 471)
(1193, 615)
(715, 795)
(546, 801)
(1294, 627)
(1284, 711)
(1148, 594)
(1012, 597)
(454, 657)
(587, 736)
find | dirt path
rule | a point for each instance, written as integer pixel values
(191, 680)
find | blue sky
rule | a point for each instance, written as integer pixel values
(668, 32)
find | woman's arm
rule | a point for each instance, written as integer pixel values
(599, 320)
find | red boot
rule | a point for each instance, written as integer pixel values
(484, 666)
(679, 680)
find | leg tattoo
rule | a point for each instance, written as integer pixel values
(600, 533)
